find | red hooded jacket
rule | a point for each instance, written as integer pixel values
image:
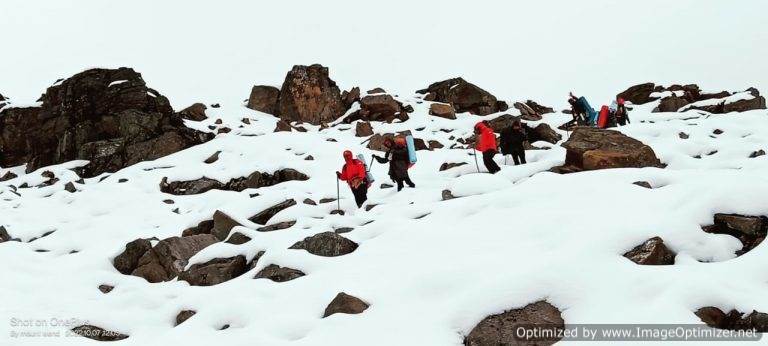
(486, 139)
(353, 171)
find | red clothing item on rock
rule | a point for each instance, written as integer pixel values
(486, 138)
(353, 171)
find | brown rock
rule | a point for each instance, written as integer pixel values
(345, 304)
(442, 110)
(253, 181)
(277, 273)
(8, 176)
(638, 94)
(543, 132)
(238, 238)
(264, 98)
(327, 244)
(309, 95)
(213, 158)
(277, 226)
(651, 252)
(376, 91)
(448, 165)
(526, 112)
(214, 272)
(106, 288)
(127, 261)
(263, 216)
(350, 97)
(195, 112)
(644, 184)
(539, 109)
(500, 329)
(381, 107)
(363, 129)
(462, 95)
(749, 225)
(169, 257)
(671, 104)
(591, 148)
(733, 320)
(184, 315)
(222, 225)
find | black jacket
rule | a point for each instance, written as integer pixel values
(398, 162)
(512, 140)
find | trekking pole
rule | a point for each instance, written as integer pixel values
(338, 195)
(476, 165)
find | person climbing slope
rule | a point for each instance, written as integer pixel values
(486, 144)
(578, 111)
(512, 139)
(397, 156)
(353, 172)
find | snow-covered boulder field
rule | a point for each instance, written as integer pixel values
(121, 219)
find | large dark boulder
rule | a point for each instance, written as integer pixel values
(651, 252)
(463, 96)
(638, 94)
(127, 261)
(501, 329)
(381, 107)
(734, 319)
(107, 116)
(169, 257)
(591, 148)
(328, 244)
(671, 104)
(215, 271)
(309, 95)
(345, 304)
(277, 273)
(264, 98)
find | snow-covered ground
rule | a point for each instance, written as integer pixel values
(430, 269)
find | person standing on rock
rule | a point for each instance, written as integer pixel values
(512, 139)
(486, 144)
(622, 117)
(397, 156)
(353, 172)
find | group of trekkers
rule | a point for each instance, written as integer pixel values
(608, 116)
(511, 142)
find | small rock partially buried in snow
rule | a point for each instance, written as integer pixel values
(345, 304)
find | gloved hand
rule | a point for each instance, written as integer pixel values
(338, 175)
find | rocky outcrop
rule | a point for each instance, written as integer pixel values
(501, 329)
(348, 98)
(638, 94)
(215, 271)
(327, 244)
(651, 252)
(264, 98)
(591, 148)
(309, 95)
(98, 333)
(106, 116)
(684, 97)
(750, 230)
(463, 96)
(442, 110)
(277, 273)
(195, 112)
(253, 181)
(345, 304)
(733, 320)
(169, 256)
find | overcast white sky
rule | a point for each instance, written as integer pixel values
(214, 51)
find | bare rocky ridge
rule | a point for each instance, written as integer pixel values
(107, 116)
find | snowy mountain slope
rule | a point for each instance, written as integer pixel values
(430, 269)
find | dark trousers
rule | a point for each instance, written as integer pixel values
(518, 156)
(400, 181)
(489, 163)
(361, 193)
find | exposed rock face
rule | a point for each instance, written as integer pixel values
(109, 117)
(750, 230)
(345, 304)
(328, 244)
(169, 257)
(98, 333)
(215, 271)
(442, 110)
(500, 329)
(463, 96)
(651, 252)
(733, 320)
(309, 95)
(671, 104)
(277, 273)
(184, 315)
(195, 112)
(591, 148)
(263, 216)
(350, 97)
(264, 98)
(127, 261)
(253, 181)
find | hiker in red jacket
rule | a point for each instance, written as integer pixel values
(354, 174)
(486, 144)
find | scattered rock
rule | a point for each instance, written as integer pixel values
(644, 184)
(733, 320)
(539, 109)
(327, 200)
(98, 333)
(106, 288)
(592, 148)
(127, 261)
(345, 304)
(309, 158)
(264, 98)
(263, 216)
(380, 107)
(683, 135)
(442, 110)
(253, 181)
(215, 271)
(309, 201)
(757, 153)
(526, 112)
(750, 230)
(651, 252)
(184, 315)
(463, 96)
(363, 129)
(169, 257)
(213, 158)
(447, 194)
(222, 225)
(70, 187)
(543, 132)
(278, 226)
(376, 91)
(386, 186)
(671, 104)
(327, 244)
(501, 329)
(283, 126)
(195, 112)
(432, 145)
(448, 165)
(8, 176)
(277, 273)
(238, 238)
